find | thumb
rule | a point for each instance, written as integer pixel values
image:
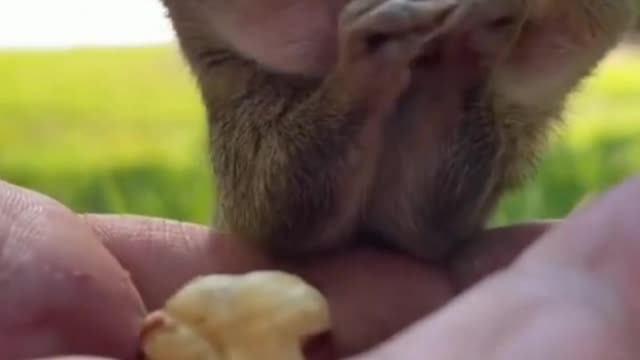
(62, 291)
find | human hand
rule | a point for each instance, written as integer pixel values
(161, 256)
(77, 284)
(573, 295)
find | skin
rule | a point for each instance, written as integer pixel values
(573, 294)
(330, 123)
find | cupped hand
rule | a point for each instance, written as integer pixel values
(77, 284)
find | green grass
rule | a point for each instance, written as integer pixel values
(108, 130)
(122, 130)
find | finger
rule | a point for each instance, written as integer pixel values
(61, 291)
(163, 255)
(494, 250)
(602, 239)
(522, 315)
(572, 295)
(375, 294)
(361, 286)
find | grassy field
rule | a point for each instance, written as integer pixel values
(122, 130)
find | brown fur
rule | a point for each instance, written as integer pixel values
(319, 135)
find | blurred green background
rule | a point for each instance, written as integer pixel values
(122, 130)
